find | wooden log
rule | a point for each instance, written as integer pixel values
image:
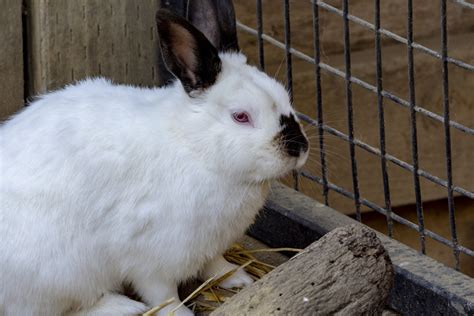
(346, 272)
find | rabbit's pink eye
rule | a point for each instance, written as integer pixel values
(241, 117)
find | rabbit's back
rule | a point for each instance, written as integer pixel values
(63, 130)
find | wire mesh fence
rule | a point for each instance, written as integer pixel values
(415, 110)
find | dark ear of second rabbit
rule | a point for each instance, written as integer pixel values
(186, 52)
(216, 20)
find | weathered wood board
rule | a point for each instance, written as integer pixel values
(11, 58)
(72, 40)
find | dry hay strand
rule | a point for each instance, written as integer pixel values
(156, 309)
(209, 296)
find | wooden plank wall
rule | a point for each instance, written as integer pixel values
(72, 40)
(11, 58)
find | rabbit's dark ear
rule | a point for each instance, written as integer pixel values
(180, 7)
(216, 19)
(186, 52)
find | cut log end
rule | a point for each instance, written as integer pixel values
(346, 272)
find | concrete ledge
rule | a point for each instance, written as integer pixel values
(422, 286)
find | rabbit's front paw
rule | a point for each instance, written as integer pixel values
(239, 278)
(219, 266)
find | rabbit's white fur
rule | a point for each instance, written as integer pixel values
(103, 184)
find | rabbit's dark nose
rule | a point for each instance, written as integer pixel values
(291, 138)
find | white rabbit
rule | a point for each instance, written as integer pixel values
(105, 184)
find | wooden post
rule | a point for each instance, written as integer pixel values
(11, 57)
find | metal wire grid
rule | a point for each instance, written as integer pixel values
(381, 95)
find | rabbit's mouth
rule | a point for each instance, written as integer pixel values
(301, 160)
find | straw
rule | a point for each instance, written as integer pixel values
(208, 296)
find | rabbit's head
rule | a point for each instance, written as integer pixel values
(241, 120)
